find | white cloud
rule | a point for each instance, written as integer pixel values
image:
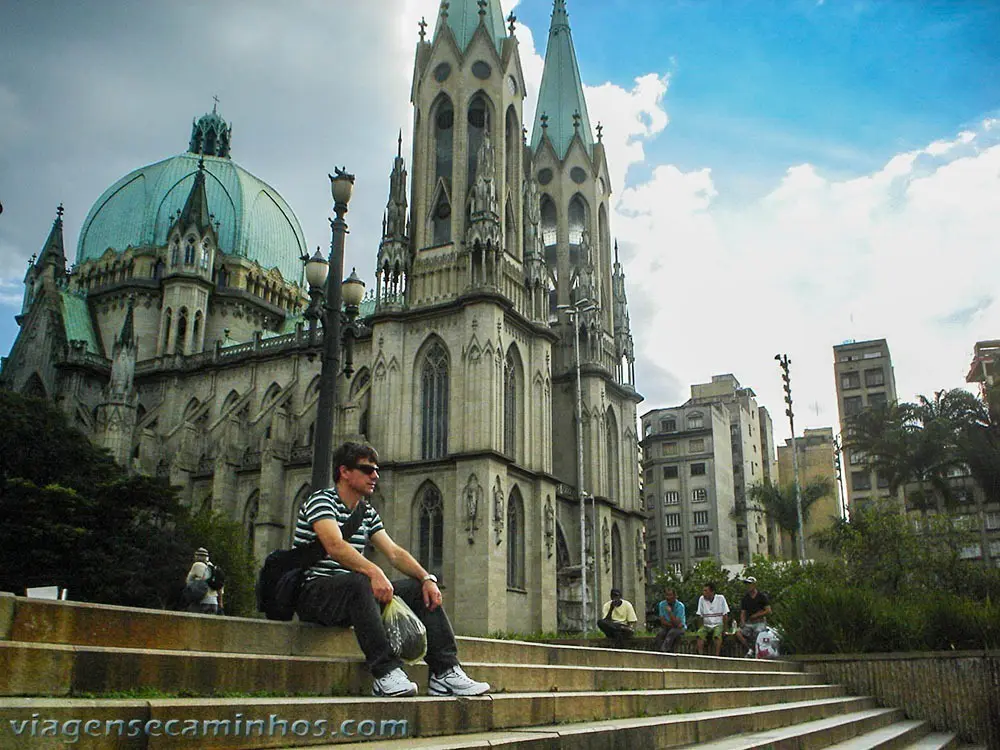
(906, 253)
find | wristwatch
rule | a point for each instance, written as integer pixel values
(429, 577)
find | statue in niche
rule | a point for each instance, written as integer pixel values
(606, 545)
(473, 496)
(550, 525)
(498, 513)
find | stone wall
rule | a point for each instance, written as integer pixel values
(956, 691)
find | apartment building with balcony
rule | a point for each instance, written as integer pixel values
(817, 461)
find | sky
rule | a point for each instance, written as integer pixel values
(788, 175)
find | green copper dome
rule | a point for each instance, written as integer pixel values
(254, 221)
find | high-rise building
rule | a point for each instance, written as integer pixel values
(817, 461)
(688, 486)
(864, 378)
(749, 456)
(179, 342)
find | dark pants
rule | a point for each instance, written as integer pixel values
(619, 631)
(666, 638)
(346, 599)
(205, 609)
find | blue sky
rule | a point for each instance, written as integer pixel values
(786, 172)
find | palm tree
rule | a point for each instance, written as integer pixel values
(778, 503)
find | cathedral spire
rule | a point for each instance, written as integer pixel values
(464, 17)
(53, 252)
(560, 95)
(126, 338)
(195, 209)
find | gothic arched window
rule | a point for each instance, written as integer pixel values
(182, 326)
(512, 402)
(175, 253)
(616, 558)
(612, 458)
(577, 216)
(434, 403)
(478, 122)
(250, 519)
(189, 251)
(168, 319)
(444, 136)
(515, 540)
(430, 525)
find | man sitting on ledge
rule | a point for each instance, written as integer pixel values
(618, 619)
(345, 588)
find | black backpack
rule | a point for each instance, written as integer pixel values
(280, 580)
(217, 578)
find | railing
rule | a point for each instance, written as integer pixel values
(251, 459)
(300, 454)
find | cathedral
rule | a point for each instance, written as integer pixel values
(179, 339)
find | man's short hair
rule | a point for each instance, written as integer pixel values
(616, 591)
(670, 590)
(710, 585)
(349, 454)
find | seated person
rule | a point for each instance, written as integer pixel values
(714, 612)
(618, 618)
(345, 588)
(754, 609)
(673, 621)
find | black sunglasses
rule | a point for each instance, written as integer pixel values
(368, 469)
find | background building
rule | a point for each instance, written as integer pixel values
(178, 340)
(864, 378)
(688, 486)
(817, 461)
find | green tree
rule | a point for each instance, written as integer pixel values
(226, 542)
(778, 503)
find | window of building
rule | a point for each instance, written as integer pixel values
(877, 400)
(696, 446)
(702, 544)
(434, 403)
(874, 377)
(861, 481)
(852, 405)
(849, 380)
(995, 551)
(668, 425)
(695, 421)
(701, 518)
(670, 472)
(430, 543)
(857, 458)
(671, 497)
(647, 429)
(677, 568)
(971, 552)
(651, 552)
(699, 495)
(993, 521)
(515, 541)
(882, 481)
(511, 404)
(670, 449)
(964, 496)
(674, 544)
(872, 355)
(649, 475)
(672, 520)
(698, 469)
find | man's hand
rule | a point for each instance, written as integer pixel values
(432, 595)
(381, 586)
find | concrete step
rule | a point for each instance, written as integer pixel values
(46, 669)
(635, 734)
(100, 625)
(816, 734)
(577, 720)
(937, 741)
(899, 734)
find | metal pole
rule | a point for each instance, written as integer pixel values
(574, 314)
(330, 367)
(784, 362)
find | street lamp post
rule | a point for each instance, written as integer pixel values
(574, 311)
(319, 271)
(784, 362)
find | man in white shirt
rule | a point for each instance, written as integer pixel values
(714, 612)
(618, 618)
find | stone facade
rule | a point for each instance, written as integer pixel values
(193, 360)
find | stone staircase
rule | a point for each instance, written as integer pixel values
(95, 676)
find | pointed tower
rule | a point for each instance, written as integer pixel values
(468, 92)
(624, 350)
(49, 265)
(192, 243)
(394, 260)
(115, 417)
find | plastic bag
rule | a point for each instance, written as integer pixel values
(768, 644)
(407, 635)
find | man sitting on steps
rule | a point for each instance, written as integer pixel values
(345, 588)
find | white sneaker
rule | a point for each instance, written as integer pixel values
(749, 654)
(456, 682)
(394, 685)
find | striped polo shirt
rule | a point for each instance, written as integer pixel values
(327, 504)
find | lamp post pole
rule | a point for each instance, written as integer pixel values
(341, 186)
(784, 362)
(573, 311)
